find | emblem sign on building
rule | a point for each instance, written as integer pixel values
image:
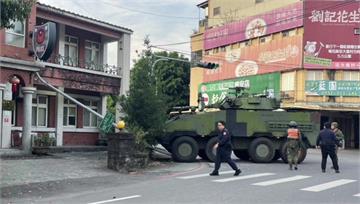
(44, 40)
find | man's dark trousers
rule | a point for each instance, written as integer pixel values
(224, 154)
(329, 150)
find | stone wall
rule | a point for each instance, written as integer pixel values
(123, 156)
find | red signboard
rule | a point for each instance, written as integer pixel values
(255, 26)
(330, 37)
(273, 56)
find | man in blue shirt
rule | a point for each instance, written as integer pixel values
(327, 141)
(223, 150)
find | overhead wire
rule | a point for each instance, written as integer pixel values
(302, 16)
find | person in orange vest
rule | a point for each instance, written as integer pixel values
(293, 147)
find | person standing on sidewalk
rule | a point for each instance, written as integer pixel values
(327, 142)
(223, 150)
(293, 147)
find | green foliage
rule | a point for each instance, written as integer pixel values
(14, 10)
(111, 104)
(144, 108)
(173, 79)
(44, 140)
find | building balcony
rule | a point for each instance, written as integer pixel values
(75, 64)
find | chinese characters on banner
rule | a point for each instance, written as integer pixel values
(329, 34)
(332, 88)
(260, 84)
(273, 56)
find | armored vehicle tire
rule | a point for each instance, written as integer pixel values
(184, 149)
(209, 149)
(302, 154)
(261, 150)
(202, 154)
(242, 154)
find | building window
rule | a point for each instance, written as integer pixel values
(71, 51)
(288, 33)
(352, 75)
(288, 81)
(92, 54)
(315, 75)
(39, 111)
(216, 11)
(69, 113)
(248, 43)
(90, 120)
(16, 36)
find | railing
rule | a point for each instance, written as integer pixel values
(74, 62)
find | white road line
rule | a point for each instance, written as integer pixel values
(357, 195)
(328, 185)
(243, 177)
(203, 175)
(116, 199)
(282, 180)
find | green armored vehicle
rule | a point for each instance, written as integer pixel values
(257, 125)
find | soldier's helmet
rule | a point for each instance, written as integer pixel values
(335, 124)
(293, 124)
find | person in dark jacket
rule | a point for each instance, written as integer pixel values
(327, 141)
(223, 150)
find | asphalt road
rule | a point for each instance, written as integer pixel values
(189, 183)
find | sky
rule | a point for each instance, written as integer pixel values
(165, 21)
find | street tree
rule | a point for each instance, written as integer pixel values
(173, 79)
(145, 109)
(14, 10)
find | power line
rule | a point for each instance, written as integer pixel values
(170, 16)
(302, 16)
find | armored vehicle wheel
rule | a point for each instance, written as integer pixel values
(261, 150)
(210, 151)
(202, 154)
(242, 154)
(277, 155)
(184, 149)
(283, 153)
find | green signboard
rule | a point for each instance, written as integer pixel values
(214, 92)
(106, 124)
(317, 61)
(332, 88)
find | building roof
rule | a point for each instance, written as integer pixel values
(82, 18)
(203, 4)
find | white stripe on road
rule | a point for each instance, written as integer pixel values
(328, 185)
(116, 199)
(357, 195)
(243, 177)
(203, 175)
(282, 180)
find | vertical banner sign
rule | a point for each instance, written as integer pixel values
(44, 39)
(214, 92)
(331, 37)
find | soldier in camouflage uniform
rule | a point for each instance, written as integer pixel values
(339, 136)
(293, 147)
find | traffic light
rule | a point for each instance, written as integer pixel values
(208, 65)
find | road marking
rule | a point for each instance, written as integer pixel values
(282, 180)
(203, 175)
(328, 185)
(243, 177)
(116, 199)
(357, 195)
